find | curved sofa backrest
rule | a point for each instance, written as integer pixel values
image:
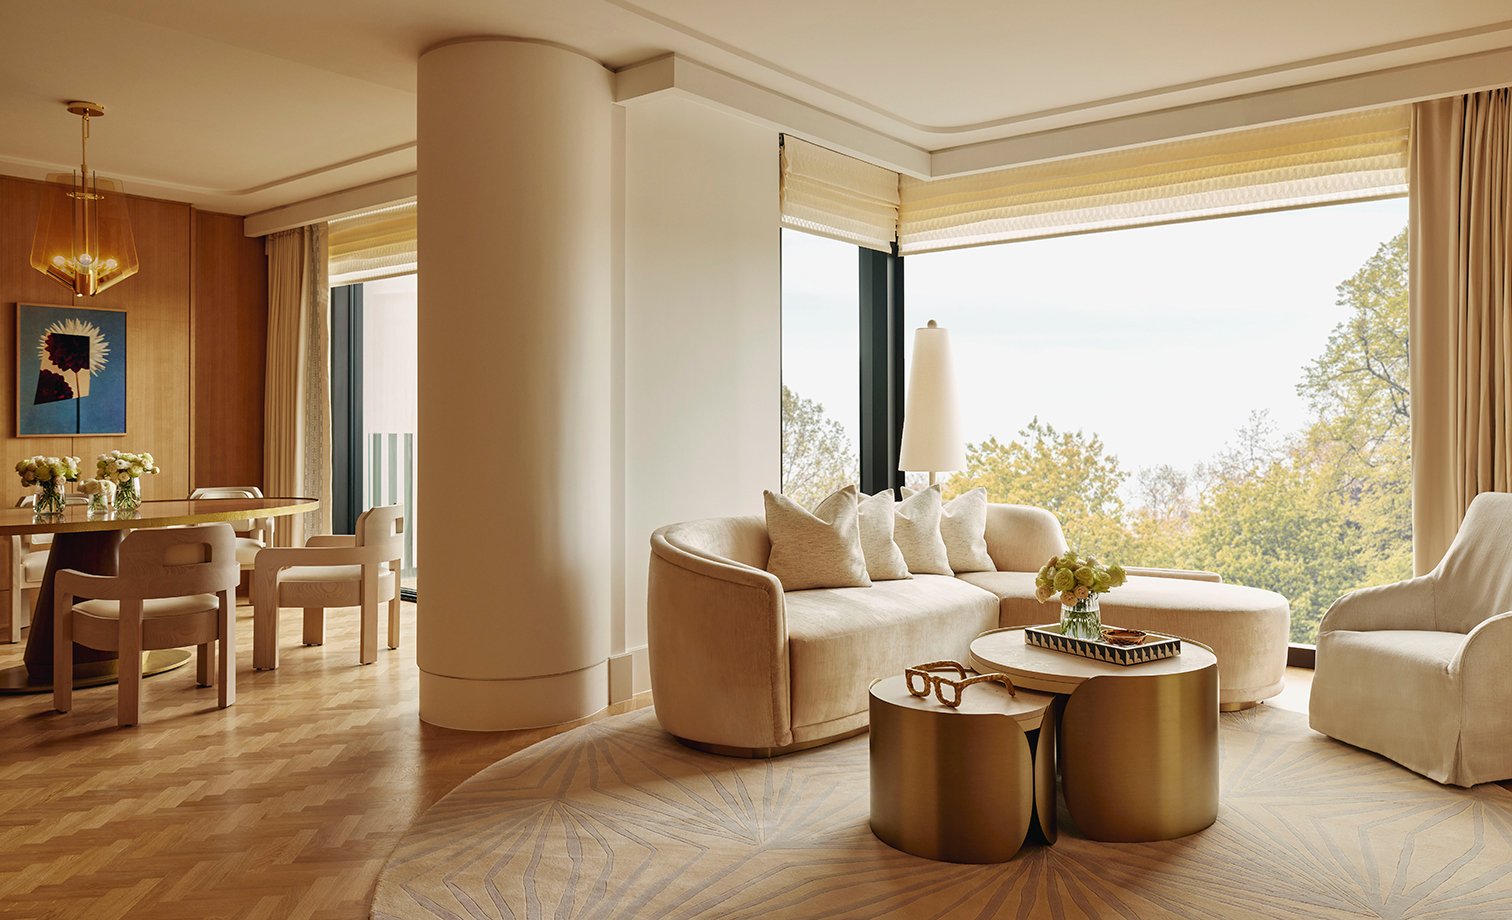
(738, 539)
(1021, 538)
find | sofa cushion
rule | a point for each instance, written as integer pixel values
(884, 561)
(1247, 628)
(840, 640)
(963, 527)
(917, 532)
(819, 548)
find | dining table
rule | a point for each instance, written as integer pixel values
(90, 542)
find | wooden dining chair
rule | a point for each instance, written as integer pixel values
(176, 588)
(331, 570)
(252, 536)
(28, 564)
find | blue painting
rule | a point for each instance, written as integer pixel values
(70, 371)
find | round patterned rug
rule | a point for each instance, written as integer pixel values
(617, 820)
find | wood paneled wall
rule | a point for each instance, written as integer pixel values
(196, 335)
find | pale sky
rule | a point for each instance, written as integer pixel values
(1162, 340)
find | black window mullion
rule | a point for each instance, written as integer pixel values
(881, 311)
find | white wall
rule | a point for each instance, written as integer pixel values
(702, 329)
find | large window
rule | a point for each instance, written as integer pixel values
(1228, 395)
(374, 391)
(821, 359)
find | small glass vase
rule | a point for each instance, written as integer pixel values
(1082, 620)
(100, 504)
(128, 495)
(49, 500)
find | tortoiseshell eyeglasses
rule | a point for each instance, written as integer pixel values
(921, 679)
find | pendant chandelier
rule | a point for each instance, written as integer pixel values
(83, 238)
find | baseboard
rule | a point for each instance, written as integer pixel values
(629, 674)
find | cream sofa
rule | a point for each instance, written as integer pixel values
(739, 666)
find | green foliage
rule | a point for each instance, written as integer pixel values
(1312, 516)
(817, 457)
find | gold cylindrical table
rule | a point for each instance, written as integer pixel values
(1138, 743)
(961, 785)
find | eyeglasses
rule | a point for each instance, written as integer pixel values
(921, 680)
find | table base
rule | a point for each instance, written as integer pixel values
(17, 680)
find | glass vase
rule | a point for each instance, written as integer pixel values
(1082, 620)
(100, 503)
(49, 500)
(128, 495)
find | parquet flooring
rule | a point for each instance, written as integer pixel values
(283, 807)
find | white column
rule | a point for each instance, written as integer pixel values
(515, 418)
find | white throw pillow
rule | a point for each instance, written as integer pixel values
(884, 561)
(917, 532)
(963, 527)
(818, 549)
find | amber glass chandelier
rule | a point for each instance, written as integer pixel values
(83, 238)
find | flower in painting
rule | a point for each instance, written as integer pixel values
(74, 345)
(52, 387)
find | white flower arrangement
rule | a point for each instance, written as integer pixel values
(48, 471)
(102, 487)
(124, 466)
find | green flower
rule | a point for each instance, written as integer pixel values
(1064, 580)
(1101, 584)
(1085, 575)
(1116, 575)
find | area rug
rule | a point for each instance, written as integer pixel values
(617, 820)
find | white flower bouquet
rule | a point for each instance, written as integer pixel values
(126, 469)
(100, 492)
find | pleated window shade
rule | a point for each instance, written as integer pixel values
(381, 243)
(1339, 158)
(841, 197)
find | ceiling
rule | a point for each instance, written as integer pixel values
(242, 106)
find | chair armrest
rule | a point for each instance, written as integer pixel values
(332, 539)
(282, 557)
(717, 641)
(1402, 605)
(73, 583)
(1487, 649)
(1187, 574)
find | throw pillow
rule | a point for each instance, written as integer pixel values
(963, 527)
(884, 561)
(917, 532)
(818, 549)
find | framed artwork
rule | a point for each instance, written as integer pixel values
(70, 371)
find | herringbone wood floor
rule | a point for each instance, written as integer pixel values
(283, 806)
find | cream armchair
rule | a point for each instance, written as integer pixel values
(251, 536)
(1421, 671)
(331, 570)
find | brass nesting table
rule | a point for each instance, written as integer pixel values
(1138, 744)
(961, 785)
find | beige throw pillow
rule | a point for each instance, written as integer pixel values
(818, 549)
(917, 532)
(963, 527)
(884, 561)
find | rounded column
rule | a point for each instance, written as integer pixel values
(514, 358)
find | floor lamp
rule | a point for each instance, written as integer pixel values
(932, 441)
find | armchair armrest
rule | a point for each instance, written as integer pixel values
(1403, 605)
(1487, 646)
(717, 640)
(73, 583)
(332, 539)
(1187, 574)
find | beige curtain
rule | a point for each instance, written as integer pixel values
(830, 194)
(1461, 314)
(381, 243)
(296, 417)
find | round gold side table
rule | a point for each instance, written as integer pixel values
(961, 785)
(1138, 744)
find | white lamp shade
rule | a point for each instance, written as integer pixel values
(932, 441)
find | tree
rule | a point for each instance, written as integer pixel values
(1069, 473)
(817, 457)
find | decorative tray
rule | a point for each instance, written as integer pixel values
(1154, 648)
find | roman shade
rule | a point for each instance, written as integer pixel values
(380, 243)
(841, 197)
(1338, 158)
